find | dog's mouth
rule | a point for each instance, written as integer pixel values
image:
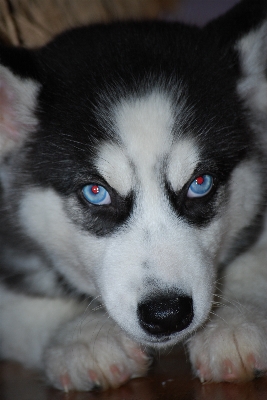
(164, 339)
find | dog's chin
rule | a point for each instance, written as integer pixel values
(162, 341)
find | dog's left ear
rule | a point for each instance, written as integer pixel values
(18, 99)
(252, 87)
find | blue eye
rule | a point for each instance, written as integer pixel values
(96, 194)
(200, 186)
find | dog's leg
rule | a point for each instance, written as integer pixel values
(78, 348)
(27, 324)
(92, 353)
(233, 344)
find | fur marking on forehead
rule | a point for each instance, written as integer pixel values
(113, 164)
(145, 126)
(182, 161)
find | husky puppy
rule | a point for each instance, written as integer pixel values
(133, 196)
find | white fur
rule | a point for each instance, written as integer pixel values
(72, 252)
(43, 315)
(92, 351)
(83, 349)
(115, 167)
(233, 346)
(144, 125)
(18, 101)
(252, 86)
(182, 161)
(240, 209)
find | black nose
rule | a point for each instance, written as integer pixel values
(164, 315)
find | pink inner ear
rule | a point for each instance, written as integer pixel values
(8, 124)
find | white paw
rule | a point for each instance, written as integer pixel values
(232, 347)
(93, 359)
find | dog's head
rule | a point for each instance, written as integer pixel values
(128, 156)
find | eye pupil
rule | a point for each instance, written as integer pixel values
(95, 189)
(200, 180)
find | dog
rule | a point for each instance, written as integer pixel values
(133, 199)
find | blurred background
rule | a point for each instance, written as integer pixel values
(32, 23)
(199, 12)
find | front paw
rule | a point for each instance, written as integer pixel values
(94, 361)
(232, 347)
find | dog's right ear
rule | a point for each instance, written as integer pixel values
(18, 98)
(252, 86)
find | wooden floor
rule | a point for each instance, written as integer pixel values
(170, 379)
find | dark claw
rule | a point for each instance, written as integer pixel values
(259, 373)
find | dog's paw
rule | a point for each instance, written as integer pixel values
(96, 362)
(231, 348)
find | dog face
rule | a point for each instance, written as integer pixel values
(137, 173)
